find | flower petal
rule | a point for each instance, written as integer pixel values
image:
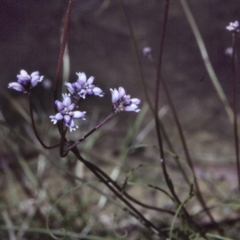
(82, 78)
(16, 86)
(71, 107)
(24, 73)
(132, 108)
(70, 88)
(121, 91)
(98, 92)
(59, 116)
(35, 79)
(23, 76)
(56, 118)
(67, 119)
(136, 101)
(78, 114)
(66, 100)
(59, 105)
(90, 80)
(115, 95)
(72, 126)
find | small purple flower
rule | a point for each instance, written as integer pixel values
(233, 26)
(73, 88)
(146, 51)
(122, 102)
(25, 83)
(66, 113)
(84, 86)
(229, 51)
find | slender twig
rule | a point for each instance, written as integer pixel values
(123, 192)
(144, 86)
(146, 205)
(185, 148)
(162, 40)
(34, 126)
(162, 159)
(62, 144)
(234, 99)
(60, 59)
(161, 190)
(62, 49)
(176, 119)
(110, 116)
(112, 185)
(188, 158)
(159, 137)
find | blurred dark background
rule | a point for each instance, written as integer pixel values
(99, 44)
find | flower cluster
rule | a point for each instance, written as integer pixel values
(123, 102)
(233, 27)
(25, 83)
(84, 86)
(80, 89)
(66, 113)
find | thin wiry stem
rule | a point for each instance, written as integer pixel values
(34, 126)
(143, 83)
(62, 49)
(234, 99)
(104, 178)
(159, 78)
(155, 111)
(144, 86)
(159, 67)
(62, 143)
(159, 137)
(176, 119)
(60, 59)
(185, 148)
(110, 116)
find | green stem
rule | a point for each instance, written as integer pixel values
(206, 59)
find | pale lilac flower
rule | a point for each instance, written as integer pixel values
(122, 102)
(233, 26)
(229, 51)
(84, 86)
(25, 83)
(66, 113)
(47, 83)
(146, 51)
(73, 88)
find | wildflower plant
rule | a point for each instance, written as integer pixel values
(84, 87)
(68, 111)
(233, 27)
(25, 83)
